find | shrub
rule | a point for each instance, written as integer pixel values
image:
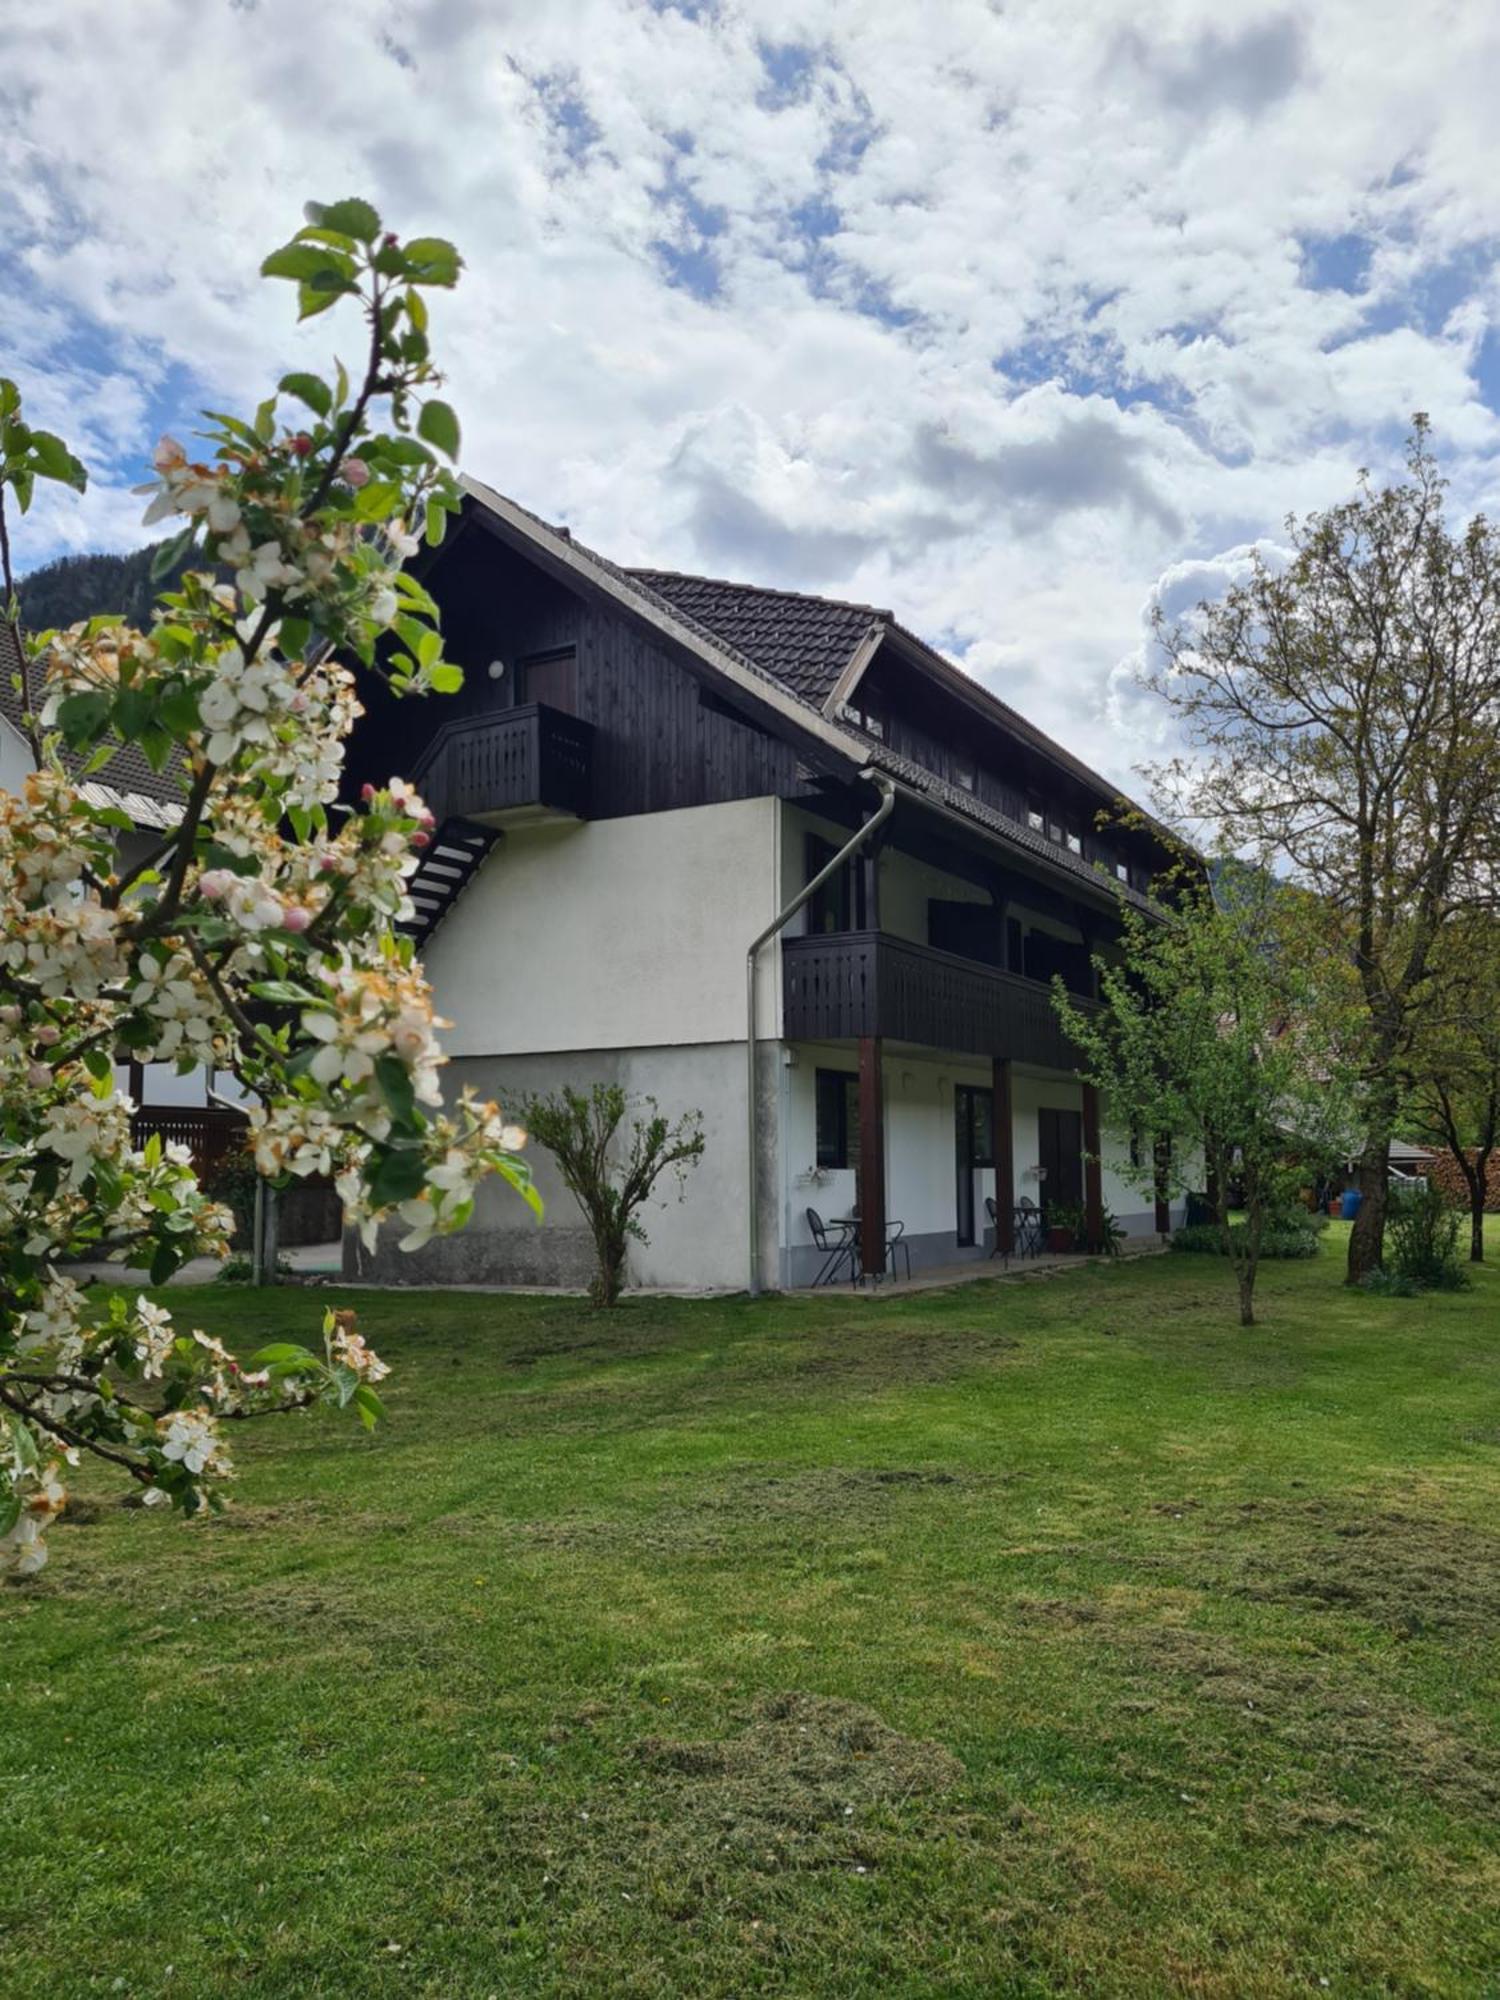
(1423, 1241)
(609, 1180)
(1389, 1285)
(1280, 1239)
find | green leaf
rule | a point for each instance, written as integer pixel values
(369, 1405)
(172, 552)
(178, 709)
(446, 679)
(351, 217)
(395, 1083)
(165, 1262)
(283, 1354)
(53, 460)
(432, 260)
(82, 717)
(305, 262)
(311, 301)
(437, 522)
(98, 1064)
(309, 389)
(134, 712)
(399, 1175)
(439, 426)
(286, 993)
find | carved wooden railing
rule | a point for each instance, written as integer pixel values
(207, 1131)
(854, 983)
(531, 756)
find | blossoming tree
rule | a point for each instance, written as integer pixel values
(260, 937)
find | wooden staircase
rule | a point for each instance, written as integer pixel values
(446, 869)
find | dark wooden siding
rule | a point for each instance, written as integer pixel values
(660, 739)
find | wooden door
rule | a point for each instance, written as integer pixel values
(973, 1149)
(552, 678)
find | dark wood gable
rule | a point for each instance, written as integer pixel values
(661, 736)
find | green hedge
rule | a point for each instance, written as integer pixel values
(1281, 1239)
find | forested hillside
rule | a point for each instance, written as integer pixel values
(77, 587)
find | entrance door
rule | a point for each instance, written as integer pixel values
(1060, 1152)
(552, 678)
(974, 1150)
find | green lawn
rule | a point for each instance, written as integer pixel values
(1053, 1637)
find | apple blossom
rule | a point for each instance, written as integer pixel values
(261, 937)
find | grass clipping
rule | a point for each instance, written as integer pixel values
(800, 1783)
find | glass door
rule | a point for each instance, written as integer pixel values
(974, 1150)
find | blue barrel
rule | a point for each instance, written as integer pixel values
(1351, 1202)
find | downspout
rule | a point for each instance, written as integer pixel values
(779, 922)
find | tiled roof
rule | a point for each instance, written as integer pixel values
(128, 774)
(806, 642)
(706, 605)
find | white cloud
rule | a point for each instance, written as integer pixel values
(1008, 319)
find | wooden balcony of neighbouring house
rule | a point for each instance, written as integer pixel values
(512, 767)
(849, 985)
(209, 1131)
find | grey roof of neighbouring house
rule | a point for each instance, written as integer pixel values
(806, 642)
(127, 780)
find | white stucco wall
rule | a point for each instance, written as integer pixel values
(15, 757)
(622, 933)
(920, 1151)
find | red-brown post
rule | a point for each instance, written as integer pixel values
(1005, 1158)
(1163, 1206)
(1093, 1172)
(871, 1157)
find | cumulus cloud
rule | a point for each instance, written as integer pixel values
(1014, 319)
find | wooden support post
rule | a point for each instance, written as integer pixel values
(1093, 1171)
(1005, 1157)
(868, 864)
(871, 1158)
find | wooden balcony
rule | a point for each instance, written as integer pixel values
(856, 983)
(516, 764)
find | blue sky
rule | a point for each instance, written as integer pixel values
(1013, 319)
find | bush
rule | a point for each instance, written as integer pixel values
(1422, 1241)
(1289, 1237)
(1388, 1285)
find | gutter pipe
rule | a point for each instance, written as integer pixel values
(778, 923)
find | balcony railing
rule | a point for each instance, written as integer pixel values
(855, 983)
(536, 758)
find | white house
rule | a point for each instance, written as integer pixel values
(643, 772)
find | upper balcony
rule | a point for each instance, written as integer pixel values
(854, 983)
(512, 766)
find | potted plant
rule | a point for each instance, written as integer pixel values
(1065, 1226)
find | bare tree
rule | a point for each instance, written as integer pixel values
(1346, 714)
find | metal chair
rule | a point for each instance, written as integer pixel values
(895, 1239)
(1029, 1228)
(833, 1249)
(994, 1215)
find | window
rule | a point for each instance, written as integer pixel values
(829, 910)
(1054, 832)
(1122, 869)
(550, 678)
(1034, 820)
(1075, 843)
(838, 1117)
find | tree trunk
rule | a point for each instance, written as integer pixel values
(1367, 1237)
(609, 1246)
(1244, 1273)
(1479, 1181)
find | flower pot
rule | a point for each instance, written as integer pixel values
(1059, 1241)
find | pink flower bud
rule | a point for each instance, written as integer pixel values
(300, 445)
(38, 1076)
(356, 472)
(421, 840)
(47, 1035)
(295, 917)
(367, 792)
(214, 883)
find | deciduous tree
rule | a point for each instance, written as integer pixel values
(261, 935)
(1345, 709)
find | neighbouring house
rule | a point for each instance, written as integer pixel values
(178, 1107)
(642, 771)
